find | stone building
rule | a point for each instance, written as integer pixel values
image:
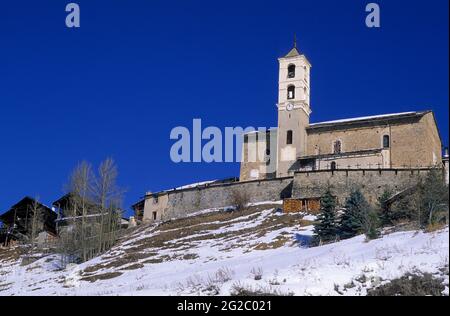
(389, 141)
(299, 158)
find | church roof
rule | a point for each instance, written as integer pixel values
(368, 119)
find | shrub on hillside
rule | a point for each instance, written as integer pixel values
(386, 216)
(239, 199)
(427, 206)
(410, 285)
(433, 199)
(371, 224)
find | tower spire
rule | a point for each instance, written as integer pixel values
(294, 51)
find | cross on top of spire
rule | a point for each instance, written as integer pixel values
(294, 51)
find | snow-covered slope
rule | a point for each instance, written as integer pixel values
(217, 252)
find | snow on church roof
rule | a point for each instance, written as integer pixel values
(368, 118)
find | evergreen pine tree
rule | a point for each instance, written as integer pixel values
(353, 219)
(326, 227)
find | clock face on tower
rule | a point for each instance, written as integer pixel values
(289, 107)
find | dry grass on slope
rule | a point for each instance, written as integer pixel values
(181, 236)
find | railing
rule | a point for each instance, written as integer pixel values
(378, 166)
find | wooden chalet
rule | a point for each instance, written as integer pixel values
(17, 221)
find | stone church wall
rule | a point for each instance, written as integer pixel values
(372, 183)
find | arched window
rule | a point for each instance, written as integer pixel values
(337, 148)
(333, 165)
(291, 92)
(291, 71)
(386, 141)
(289, 137)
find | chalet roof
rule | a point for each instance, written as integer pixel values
(67, 199)
(24, 209)
(23, 205)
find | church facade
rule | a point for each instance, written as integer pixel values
(388, 141)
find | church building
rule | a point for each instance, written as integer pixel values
(296, 160)
(388, 141)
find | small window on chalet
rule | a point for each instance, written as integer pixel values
(333, 165)
(386, 141)
(291, 71)
(291, 92)
(337, 147)
(154, 215)
(289, 138)
(155, 199)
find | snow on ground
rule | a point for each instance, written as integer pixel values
(216, 252)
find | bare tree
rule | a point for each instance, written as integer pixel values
(109, 198)
(80, 188)
(93, 212)
(35, 223)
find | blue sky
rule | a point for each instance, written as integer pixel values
(136, 69)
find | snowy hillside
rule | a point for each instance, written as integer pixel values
(219, 252)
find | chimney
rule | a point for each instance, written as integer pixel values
(132, 222)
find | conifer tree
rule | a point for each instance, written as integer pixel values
(352, 220)
(326, 227)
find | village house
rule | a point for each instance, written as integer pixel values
(71, 208)
(26, 219)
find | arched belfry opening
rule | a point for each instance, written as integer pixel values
(291, 71)
(291, 92)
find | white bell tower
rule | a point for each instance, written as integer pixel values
(294, 109)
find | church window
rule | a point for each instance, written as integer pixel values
(333, 165)
(337, 147)
(386, 141)
(291, 92)
(291, 71)
(289, 137)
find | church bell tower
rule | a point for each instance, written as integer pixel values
(293, 109)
